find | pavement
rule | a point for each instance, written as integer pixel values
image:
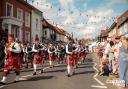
(86, 77)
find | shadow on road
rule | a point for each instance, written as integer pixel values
(37, 78)
(85, 66)
(62, 70)
(85, 72)
(34, 78)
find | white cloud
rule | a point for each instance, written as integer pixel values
(73, 22)
(42, 5)
(65, 3)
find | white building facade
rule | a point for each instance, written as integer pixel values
(36, 25)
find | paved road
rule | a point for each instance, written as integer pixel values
(55, 78)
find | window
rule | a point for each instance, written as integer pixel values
(126, 27)
(27, 36)
(36, 24)
(15, 31)
(45, 33)
(27, 19)
(19, 14)
(9, 9)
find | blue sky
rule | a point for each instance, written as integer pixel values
(85, 18)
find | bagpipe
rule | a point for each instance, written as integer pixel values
(53, 50)
(7, 61)
(41, 52)
(73, 55)
(29, 53)
(37, 54)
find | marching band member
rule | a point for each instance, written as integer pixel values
(29, 55)
(58, 49)
(37, 55)
(69, 58)
(52, 56)
(61, 53)
(43, 55)
(75, 56)
(24, 52)
(81, 53)
(12, 59)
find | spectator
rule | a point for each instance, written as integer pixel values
(123, 61)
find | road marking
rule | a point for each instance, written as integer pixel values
(99, 82)
(96, 86)
(102, 85)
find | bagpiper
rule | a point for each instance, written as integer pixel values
(37, 55)
(75, 55)
(69, 58)
(12, 59)
(61, 55)
(51, 54)
(82, 53)
(29, 55)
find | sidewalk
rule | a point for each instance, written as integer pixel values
(107, 78)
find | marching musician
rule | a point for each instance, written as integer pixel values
(51, 52)
(82, 52)
(37, 55)
(24, 52)
(69, 58)
(29, 55)
(75, 56)
(43, 55)
(61, 54)
(12, 59)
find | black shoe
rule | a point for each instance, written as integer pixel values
(34, 73)
(51, 66)
(16, 81)
(69, 75)
(8, 72)
(26, 67)
(42, 71)
(2, 83)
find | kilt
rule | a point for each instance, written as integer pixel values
(12, 62)
(30, 57)
(52, 56)
(37, 58)
(71, 60)
(82, 55)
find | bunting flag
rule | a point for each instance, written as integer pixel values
(59, 9)
(71, 12)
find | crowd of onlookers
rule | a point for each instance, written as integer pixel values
(113, 58)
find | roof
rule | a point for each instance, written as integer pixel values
(104, 33)
(122, 18)
(29, 5)
(46, 24)
(113, 26)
